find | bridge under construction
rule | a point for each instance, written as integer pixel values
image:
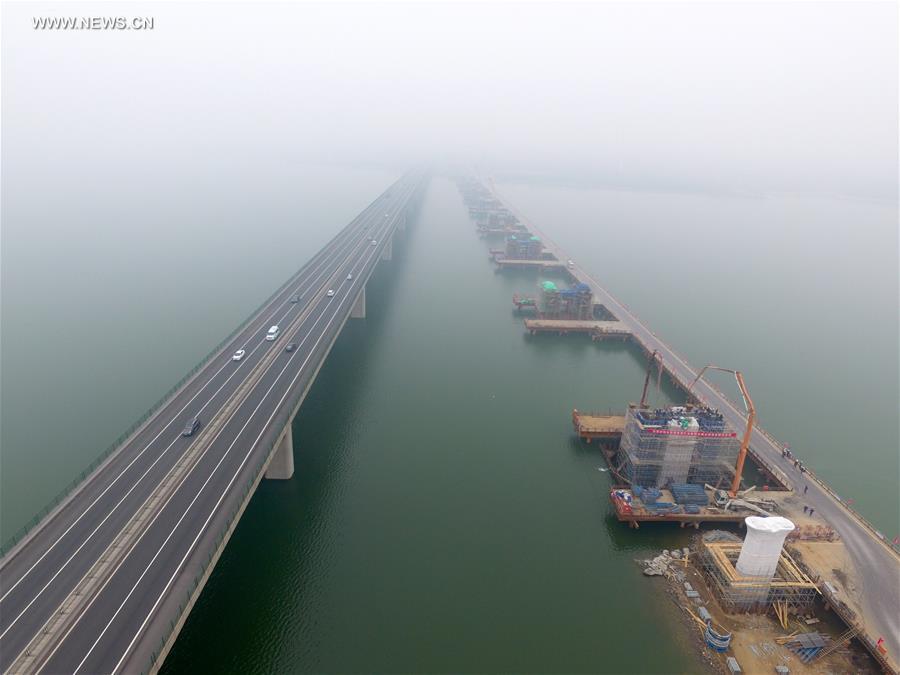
(876, 559)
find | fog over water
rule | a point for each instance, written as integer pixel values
(707, 96)
(729, 170)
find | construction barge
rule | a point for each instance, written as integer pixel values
(665, 449)
(682, 463)
(662, 509)
(598, 330)
(528, 263)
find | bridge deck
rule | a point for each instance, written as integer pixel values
(127, 552)
(876, 561)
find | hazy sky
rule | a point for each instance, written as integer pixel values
(780, 96)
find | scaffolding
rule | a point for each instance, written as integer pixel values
(574, 303)
(577, 302)
(519, 247)
(681, 444)
(549, 299)
(790, 588)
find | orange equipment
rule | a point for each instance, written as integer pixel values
(751, 418)
(654, 358)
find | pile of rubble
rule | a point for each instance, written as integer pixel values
(659, 566)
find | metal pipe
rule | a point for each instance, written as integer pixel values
(751, 418)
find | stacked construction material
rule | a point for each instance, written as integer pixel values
(646, 495)
(807, 645)
(661, 508)
(689, 493)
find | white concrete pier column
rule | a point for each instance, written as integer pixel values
(359, 307)
(388, 251)
(281, 467)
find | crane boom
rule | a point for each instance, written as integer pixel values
(751, 418)
(653, 359)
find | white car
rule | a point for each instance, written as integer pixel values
(238, 355)
(374, 242)
(330, 293)
(349, 277)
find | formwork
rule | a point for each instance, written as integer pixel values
(574, 303)
(523, 247)
(550, 302)
(681, 444)
(577, 302)
(738, 593)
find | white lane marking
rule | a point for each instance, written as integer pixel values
(318, 276)
(176, 490)
(348, 244)
(215, 508)
(114, 508)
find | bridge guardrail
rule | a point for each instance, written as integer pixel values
(220, 537)
(78, 480)
(894, 548)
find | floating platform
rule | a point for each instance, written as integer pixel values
(541, 264)
(590, 426)
(598, 330)
(497, 231)
(633, 511)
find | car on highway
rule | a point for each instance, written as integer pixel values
(273, 333)
(330, 293)
(291, 347)
(349, 277)
(238, 355)
(191, 426)
(295, 299)
(374, 242)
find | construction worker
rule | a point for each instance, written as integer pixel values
(805, 508)
(805, 489)
(811, 511)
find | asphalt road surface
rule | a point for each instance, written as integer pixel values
(122, 621)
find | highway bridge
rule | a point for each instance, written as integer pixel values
(877, 562)
(105, 581)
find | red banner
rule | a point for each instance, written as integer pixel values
(700, 434)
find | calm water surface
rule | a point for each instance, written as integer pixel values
(442, 518)
(798, 292)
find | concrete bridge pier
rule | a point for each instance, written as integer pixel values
(387, 253)
(359, 307)
(281, 466)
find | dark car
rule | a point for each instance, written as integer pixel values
(191, 427)
(291, 347)
(295, 299)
